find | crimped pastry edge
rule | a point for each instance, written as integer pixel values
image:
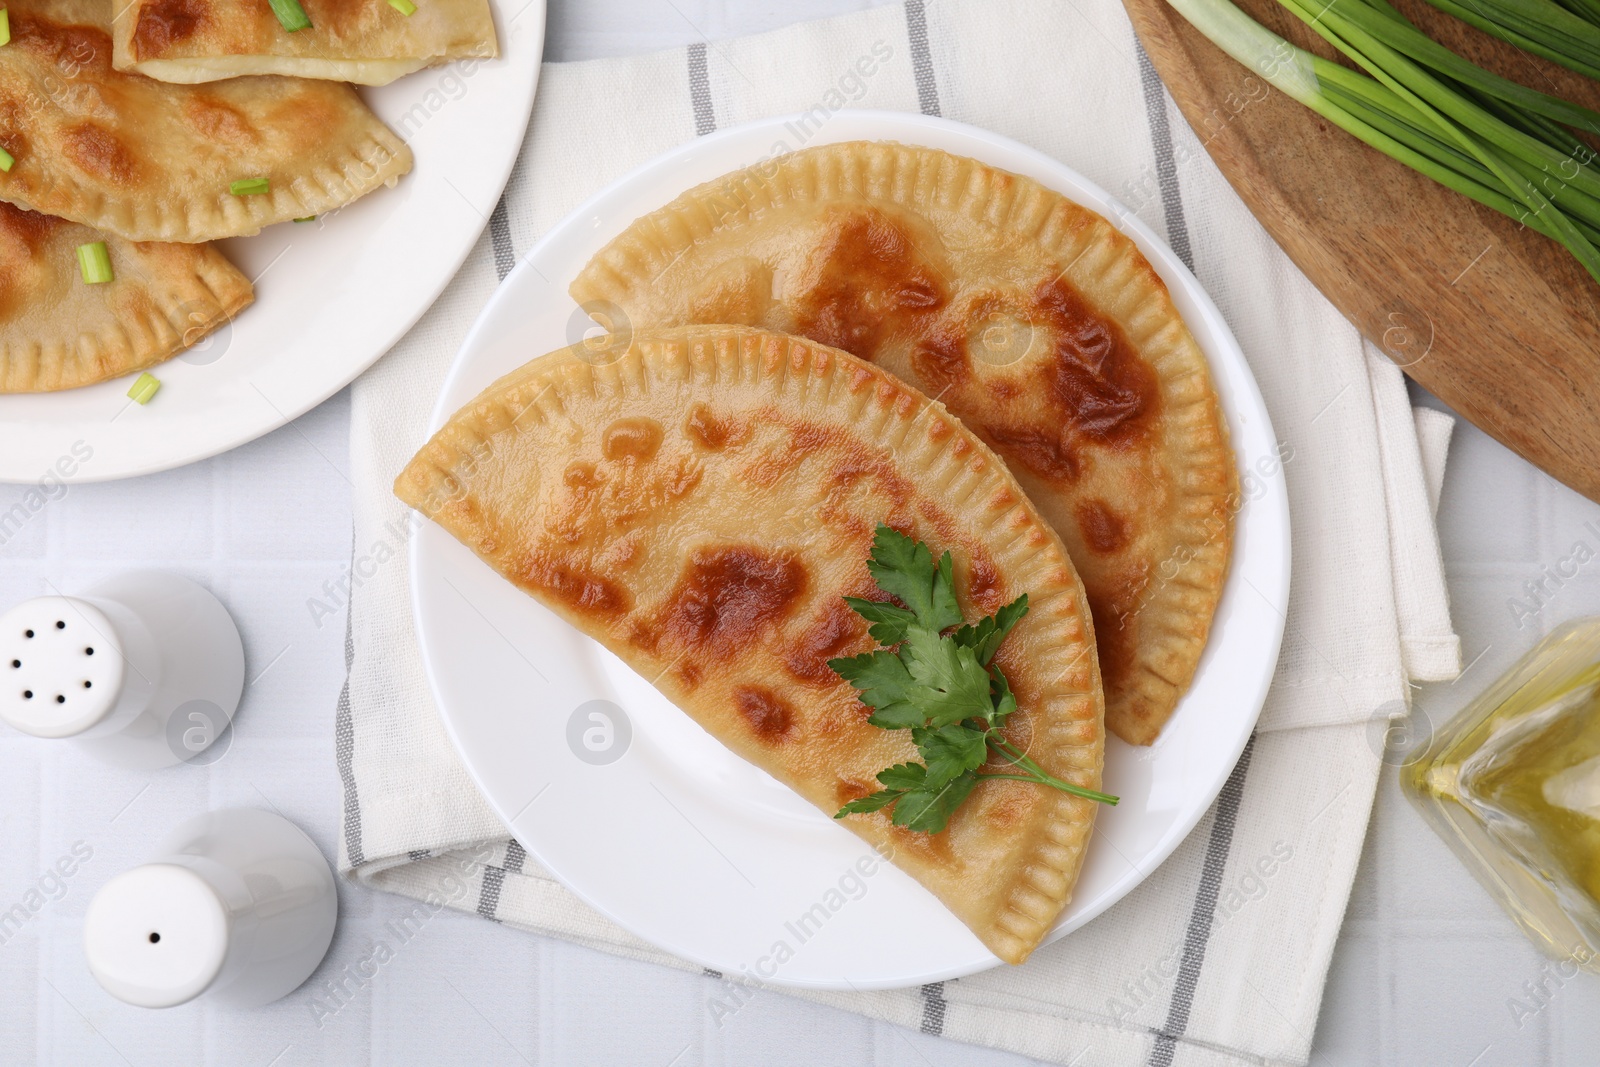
(164, 220)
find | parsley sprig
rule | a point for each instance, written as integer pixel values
(935, 676)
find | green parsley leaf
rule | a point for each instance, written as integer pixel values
(951, 684)
(1004, 702)
(904, 568)
(985, 637)
(872, 802)
(929, 810)
(903, 776)
(950, 752)
(885, 686)
(889, 623)
(900, 779)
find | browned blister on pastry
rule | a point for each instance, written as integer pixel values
(1027, 315)
(701, 501)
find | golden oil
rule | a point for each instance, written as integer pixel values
(1512, 784)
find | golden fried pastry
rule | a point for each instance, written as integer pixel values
(58, 332)
(701, 501)
(155, 162)
(1028, 316)
(364, 41)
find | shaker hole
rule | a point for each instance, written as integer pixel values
(155, 938)
(15, 664)
(27, 694)
(60, 625)
(88, 685)
(27, 633)
(60, 699)
(88, 652)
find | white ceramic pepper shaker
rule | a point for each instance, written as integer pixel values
(145, 670)
(239, 907)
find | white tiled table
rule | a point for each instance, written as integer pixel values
(1423, 976)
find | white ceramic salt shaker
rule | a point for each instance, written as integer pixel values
(239, 906)
(145, 670)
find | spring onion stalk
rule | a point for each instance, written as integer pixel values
(1366, 100)
(1482, 136)
(1436, 99)
(405, 7)
(291, 16)
(1586, 9)
(94, 263)
(250, 187)
(1507, 152)
(144, 387)
(1388, 25)
(5, 160)
(5, 25)
(1538, 26)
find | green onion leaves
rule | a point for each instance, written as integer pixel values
(405, 7)
(94, 262)
(5, 160)
(144, 387)
(291, 16)
(5, 26)
(250, 187)
(1499, 143)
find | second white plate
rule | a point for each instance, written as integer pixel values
(662, 829)
(331, 295)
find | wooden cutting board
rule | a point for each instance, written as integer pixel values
(1496, 320)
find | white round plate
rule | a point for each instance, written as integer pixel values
(331, 295)
(682, 842)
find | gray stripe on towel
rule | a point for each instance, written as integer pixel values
(1155, 109)
(344, 743)
(489, 893)
(1203, 912)
(921, 57)
(933, 1002)
(705, 119)
(1198, 936)
(505, 257)
(933, 1005)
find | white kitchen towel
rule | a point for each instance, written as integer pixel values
(1219, 957)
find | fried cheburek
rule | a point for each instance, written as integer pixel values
(56, 332)
(701, 501)
(363, 41)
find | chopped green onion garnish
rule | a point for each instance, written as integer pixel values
(5, 160)
(405, 7)
(5, 26)
(250, 187)
(144, 388)
(291, 16)
(95, 262)
(308, 218)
